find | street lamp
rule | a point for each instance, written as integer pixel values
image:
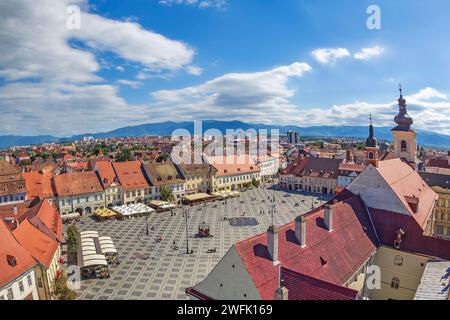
(186, 215)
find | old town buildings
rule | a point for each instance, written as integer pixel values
(12, 184)
(79, 192)
(166, 175)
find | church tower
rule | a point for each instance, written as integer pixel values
(405, 139)
(372, 146)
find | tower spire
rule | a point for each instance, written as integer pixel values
(371, 140)
(402, 119)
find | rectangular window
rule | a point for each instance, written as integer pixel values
(39, 281)
(10, 294)
(21, 286)
(440, 230)
(30, 282)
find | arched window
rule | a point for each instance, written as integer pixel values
(395, 283)
(398, 260)
(370, 155)
(403, 146)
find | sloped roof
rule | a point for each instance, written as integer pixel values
(163, 173)
(387, 223)
(106, 173)
(303, 287)
(345, 249)
(9, 246)
(130, 175)
(314, 166)
(409, 188)
(233, 165)
(41, 247)
(77, 183)
(38, 184)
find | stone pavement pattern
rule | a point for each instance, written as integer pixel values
(151, 270)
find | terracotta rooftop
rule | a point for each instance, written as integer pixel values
(38, 184)
(41, 247)
(106, 173)
(303, 287)
(332, 257)
(314, 167)
(163, 173)
(130, 175)
(79, 183)
(11, 180)
(233, 165)
(10, 248)
(417, 197)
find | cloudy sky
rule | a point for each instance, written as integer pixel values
(287, 62)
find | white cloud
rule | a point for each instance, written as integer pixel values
(130, 83)
(368, 53)
(203, 4)
(429, 93)
(250, 96)
(329, 55)
(194, 70)
(50, 75)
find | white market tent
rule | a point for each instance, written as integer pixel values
(132, 209)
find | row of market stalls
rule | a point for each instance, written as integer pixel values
(132, 210)
(161, 206)
(226, 194)
(94, 254)
(123, 212)
(196, 198)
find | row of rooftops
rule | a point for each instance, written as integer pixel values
(316, 255)
(129, 175)
(28, 236)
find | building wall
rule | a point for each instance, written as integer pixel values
(138, 195)
(13, 198)
(113, 195)
(71, 204)
(196, 183)
(45, 277)
(442, 213)
(229, 280)
(408, 273)
(410, 138)
(236, 182)
(28, 280)
(376, 192)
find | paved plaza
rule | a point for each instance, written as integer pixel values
(155, 270)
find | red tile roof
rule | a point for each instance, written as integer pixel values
(9, 246)
(233, 165)
(314, 167)
(387, 223)
(37, 243)
(303, 287)
(38, 184)
(106, 173)
(345, 249)
(45, 217)
(440, 163)
(78, 183)
(130, 175)
(409, 188)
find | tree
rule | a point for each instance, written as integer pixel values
(60, 289)
(166, 194)
(124, 155)
(72, 237)
(255, 183)
(162, 157)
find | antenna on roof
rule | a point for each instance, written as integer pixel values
(273, 206)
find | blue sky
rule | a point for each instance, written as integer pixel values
(289, 62)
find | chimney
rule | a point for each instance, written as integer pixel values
(272, 244)
(282, 293)
(348, 156)
(300, 230)
(328, 216)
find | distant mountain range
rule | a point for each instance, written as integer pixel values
(425, 138)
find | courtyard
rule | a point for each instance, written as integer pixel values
(152, 269)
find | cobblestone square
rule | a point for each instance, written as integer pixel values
(154, 270)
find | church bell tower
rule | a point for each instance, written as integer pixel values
(405, 139)
(372, 146)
